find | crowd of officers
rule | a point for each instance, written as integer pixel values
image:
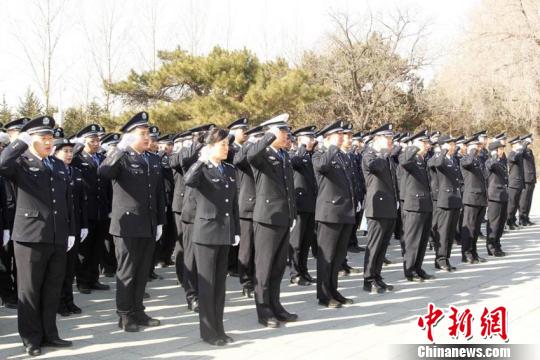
(243, 201)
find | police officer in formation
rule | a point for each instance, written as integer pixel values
(204, 192)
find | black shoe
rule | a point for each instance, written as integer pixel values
(162, 264)
(84, 289)
(469, 259)
(33, 350)
(247, 291)
(10, 302)
(128, 324)
(227, 338)
(216, 342)
(271, 322)
(386, 261)
(331, 304)
(511, 227)
(353, 270)
(345, 301)
(343, 273)
(63, 311)
(56, 343)
(299, 280)
(479, 259)
(414, 277)
(384, 285)
(424, 275)
(194, 306)
(373, 288)
(146, 295)
(154, 276)
(287, 317)
(99, 286)
(144, 320)
(530, 223)
(442, 266)
(308, 277)
(354, 249)
(74, 309)
(108, 274)
(498, 253)
(233, 273)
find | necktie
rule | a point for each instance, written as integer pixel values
(221, 169)
(96, 159)
(47, 163)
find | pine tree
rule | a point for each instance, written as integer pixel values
(29, 106)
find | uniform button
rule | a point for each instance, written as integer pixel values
(51, 179)
(149, 185)
(267, 201)
(380, 199)
(416, 195)
(127, 212)
(333, 201)
(150, 195)
(25, 214)
(226, 200)
(226, 186)
(52, 189)
(226, 214)
(55, 212)
(54, 200)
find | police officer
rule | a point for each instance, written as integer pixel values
(529, 173)
(92, 248)
(380, 207)
(335, 213)
(138, 215)
(273, 216)
(497, 198)
(188, 156)
(516, 182)
(9, 278)
(448, 200)
(216, 227)
(305, 186)
(63, 151)
(168, 239)
(246, 204)
(153, 147)
(42, 232)
(417, 206)
(474, 201)
(356, 155)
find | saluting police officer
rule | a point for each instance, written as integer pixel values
(138, 215)
(529, 177)
(417, 206)
(9, 283)
(92, 248)
(474, 201)
(335, 213)
(380, 207)
(497, 198)
(273, 216)
(43, 231)
(63, 150)
(305, 186)
(246, 204)
(216, 227)
(448, 200)
(168, 239)
(516, 182)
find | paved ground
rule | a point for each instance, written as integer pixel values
(360, 331)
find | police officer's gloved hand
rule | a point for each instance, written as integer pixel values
(293, 224)
(236, 240)
(6, 238)
(159, 231)
(71, 242)
(25, 137)
(127, 140)
(84, 234)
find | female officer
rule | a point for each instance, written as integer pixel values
(216, 227)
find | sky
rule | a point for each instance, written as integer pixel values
(270, 28)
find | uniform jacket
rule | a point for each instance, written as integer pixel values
(380, 201)
(336, 201)
(417, 195)
(497, 180)
(245, 182)
(529, 167)
(274, 184)
(474, 184)
(448, 179)
(94, 186)
(216, 219)
(515, 170)
(305, 184)
(138, 203)
(44, 202)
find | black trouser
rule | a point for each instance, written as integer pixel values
(66, 297)
(525, 202)
(246, 254)
(333, 240)
(433, 228)
(90, 251)
(190, 264)
(179, 248)
(108, 260)
(447, 220)
(8, 278)
(398, 224)
(166, 243)
(271, 246)
(353, 241)
(379, 234)
(497, 213)
(300, 240)
(212, 276)
(416, 229)
(41, 272)
(232, 263)
(471, 229)
(132, 273)
(513, 204)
